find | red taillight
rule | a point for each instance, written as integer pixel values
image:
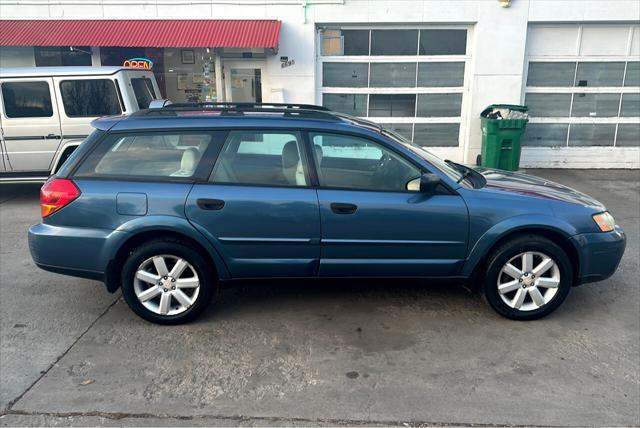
(56, 194)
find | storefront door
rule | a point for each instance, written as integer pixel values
(244, 82)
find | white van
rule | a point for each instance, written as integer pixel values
(45, 112)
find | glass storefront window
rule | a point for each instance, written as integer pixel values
(394, 42)
(345, 74)
(51, 56)
(183, 75)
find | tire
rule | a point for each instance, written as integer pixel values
(512, 293)
(172, 298)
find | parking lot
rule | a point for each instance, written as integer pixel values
(319, 352)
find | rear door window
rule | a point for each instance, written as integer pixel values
(143, 90)
(160, 155)
(27, 99)
(90, 98)
(273, 158)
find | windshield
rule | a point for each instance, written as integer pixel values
(434, 160)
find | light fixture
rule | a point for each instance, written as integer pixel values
(74, 49)
(505, 3)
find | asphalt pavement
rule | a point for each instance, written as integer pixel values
(312, 353)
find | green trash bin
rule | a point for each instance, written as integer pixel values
(502, 136)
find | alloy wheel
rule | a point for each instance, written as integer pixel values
(166, 284)
(528, 281)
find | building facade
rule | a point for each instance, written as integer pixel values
(426, 68)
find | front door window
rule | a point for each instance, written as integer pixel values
(348, 162)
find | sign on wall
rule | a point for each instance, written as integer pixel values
(141, 63)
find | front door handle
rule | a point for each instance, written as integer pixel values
(342, 208)
(52, 137)
(211, 204)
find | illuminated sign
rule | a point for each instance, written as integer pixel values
(143, 63)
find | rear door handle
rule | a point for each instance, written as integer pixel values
(342, 208)
(210, 204)
(52, 137)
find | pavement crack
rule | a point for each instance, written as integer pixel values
(61, 356)
(271, 419)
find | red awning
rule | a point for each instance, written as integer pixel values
(198, 33)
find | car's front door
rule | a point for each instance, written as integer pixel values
(372, 225)
(257, 208)
(30, 124)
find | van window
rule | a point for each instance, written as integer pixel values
(27, 99)
(143, 90)
(89, 98)
(147, 155)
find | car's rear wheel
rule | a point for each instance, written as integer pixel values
(167, 282)
(527, 278)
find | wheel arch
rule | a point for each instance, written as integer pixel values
(476, 262)
(133, 240)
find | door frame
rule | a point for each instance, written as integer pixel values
(227, 65)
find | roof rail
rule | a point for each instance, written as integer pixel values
(239, 109)
(243, 106)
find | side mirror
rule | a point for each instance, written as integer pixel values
(426, 183)
(429, 182)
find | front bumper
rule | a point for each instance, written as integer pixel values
(599, 254)
(73, 251)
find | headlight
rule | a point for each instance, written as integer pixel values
(605, 221)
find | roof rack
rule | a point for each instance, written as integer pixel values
(239, 109)
(244, 106)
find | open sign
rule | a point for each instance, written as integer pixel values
(143, 63)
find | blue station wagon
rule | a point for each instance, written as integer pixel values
(167, 203)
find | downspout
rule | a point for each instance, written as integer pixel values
(306, 5)
(304, 11)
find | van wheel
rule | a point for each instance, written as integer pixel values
(527, 278)
(167, 282)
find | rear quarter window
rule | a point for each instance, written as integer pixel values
(90, 98)
(148, 155)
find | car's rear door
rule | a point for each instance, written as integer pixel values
(371, 224)
(30, 123)
(258, 208)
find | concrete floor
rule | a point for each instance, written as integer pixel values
(318, 353)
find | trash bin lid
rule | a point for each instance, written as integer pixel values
(503, 106)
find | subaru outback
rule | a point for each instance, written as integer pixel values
(168, 203)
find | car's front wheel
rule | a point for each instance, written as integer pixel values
(167, 282)
(527, 278)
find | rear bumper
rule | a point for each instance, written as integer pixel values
(73, 251)
(599, 253)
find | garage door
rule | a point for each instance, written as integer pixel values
(583, 90)
(412, 80)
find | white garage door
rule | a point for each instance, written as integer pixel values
(412, 80)
(583, 91)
